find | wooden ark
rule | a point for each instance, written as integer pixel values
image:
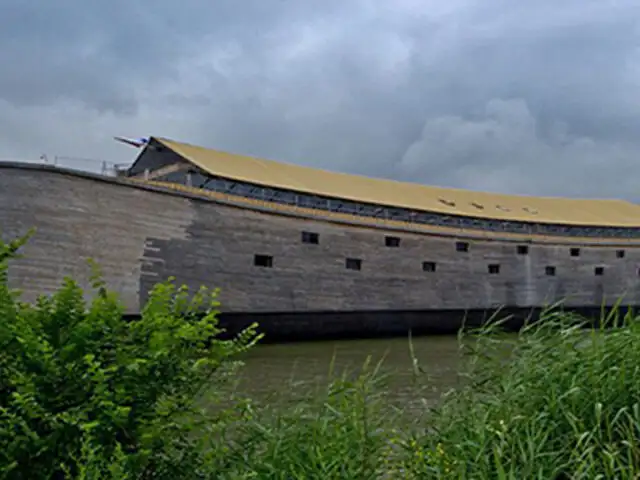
(309, 253)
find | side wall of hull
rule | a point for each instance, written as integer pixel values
(140, 236)
(298, 326)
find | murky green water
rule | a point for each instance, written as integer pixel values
(282, 369)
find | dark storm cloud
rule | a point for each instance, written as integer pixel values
(98, 52)
(499, 95)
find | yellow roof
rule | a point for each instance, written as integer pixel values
(616, 213)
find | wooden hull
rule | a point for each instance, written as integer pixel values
(140, 234)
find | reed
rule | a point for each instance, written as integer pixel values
(559, 400)
(564, 402)
(85, 395)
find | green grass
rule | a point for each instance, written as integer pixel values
(84, 393)
(335, 431)
(561, 400)
(563, 404)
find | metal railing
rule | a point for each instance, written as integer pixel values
(353, 219)
(80, 164)
(343, 210)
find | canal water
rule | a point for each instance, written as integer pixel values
(293, 368)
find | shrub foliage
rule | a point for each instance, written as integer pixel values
(86, 394)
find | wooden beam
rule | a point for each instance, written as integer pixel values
(162, 171)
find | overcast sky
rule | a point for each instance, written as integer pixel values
(531, 96)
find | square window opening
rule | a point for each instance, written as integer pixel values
(392, 241)
(550, 271)
(574, 252)
(494, 269)
(620, 253)
(462, 246)
(429, 266)
(310, 237)
(523, 249)
(598, 271)
(265, 261)
(353, 264)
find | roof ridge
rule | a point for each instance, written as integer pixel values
(412, 195)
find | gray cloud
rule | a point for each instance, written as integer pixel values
(527, 97)
(504, 150)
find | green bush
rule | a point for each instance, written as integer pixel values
(563, 402)
(85, 394)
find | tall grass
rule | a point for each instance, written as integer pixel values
(84, 395)
(561, 400)
(336, 431)
(564, 403)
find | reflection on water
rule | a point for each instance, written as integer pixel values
(270, 369)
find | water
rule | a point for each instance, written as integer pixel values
(273, 369)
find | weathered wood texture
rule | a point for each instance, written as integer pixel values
(77, 218)
(139, 236)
